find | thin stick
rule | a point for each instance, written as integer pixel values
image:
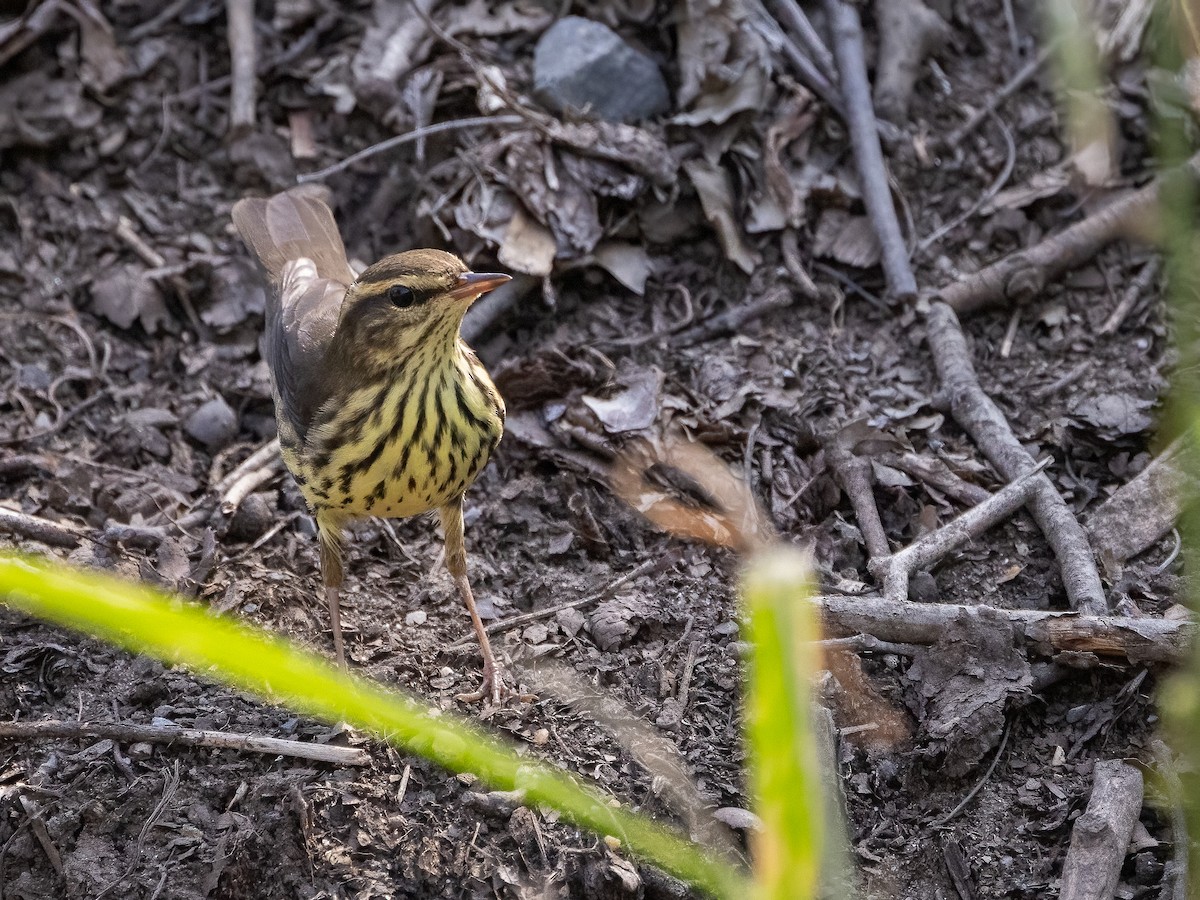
(979, 416)
(794, 19)
(1133, 293)
(972, 408)
(245, 485)
(732, 319)
(202, 510)
(1026, 72)
(894, 571)
(37, 529)
(864, 137)
(980, 783)
(255, 460)
(243, 67)
(854, 474)
(685, 678)
(126, 232)
(866, 643)
(940, 478)
(649, 565)
(151, 25)
(401, 139)
(187, 737)
(403, 789)
(1010, 161)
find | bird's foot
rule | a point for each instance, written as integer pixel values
(493, 690)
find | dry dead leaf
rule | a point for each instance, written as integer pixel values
(716, 196)
(1009, 574)
(554, 197)
(1047, 183)
(724, 63)
(104, 63)
(626, 262)
(635, 148)
(528, 245)
(635, 406)
(124, 295)
(486, 19)
(847, 238)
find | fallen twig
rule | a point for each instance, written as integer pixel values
(1133, 293)
(894, 571)
(125, 231)
(245, 485)
(794, 20)
(243, 64)
(938, 476)
(979, 416)
(970, 405)
(732, 319)
(34, 528)
(1014, 84)
(256, 460)
(1137, 641)
(1010, 161)
(1021, 276)
(868, 643)
(807, 72)
(854, 474)
(1100, 837)
(962, 804)
(864, 137)
(219, 493)
(650, 565)
(187, 737)
(408, 137)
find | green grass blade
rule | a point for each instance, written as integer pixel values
(143, 620)
(785, 774)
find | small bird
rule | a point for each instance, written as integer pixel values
(382, 409)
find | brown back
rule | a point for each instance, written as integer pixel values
(284, 232)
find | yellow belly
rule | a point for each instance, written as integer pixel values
(400, 449)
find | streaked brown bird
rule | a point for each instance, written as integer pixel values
(382, 409)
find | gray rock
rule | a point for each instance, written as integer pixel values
(214, 424)
(253, 517)
(580, 64)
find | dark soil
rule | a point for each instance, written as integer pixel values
(108, 350)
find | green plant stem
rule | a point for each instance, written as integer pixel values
(786, 773)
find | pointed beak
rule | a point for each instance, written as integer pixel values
(472, 284)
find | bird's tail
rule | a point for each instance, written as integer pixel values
(293, 225)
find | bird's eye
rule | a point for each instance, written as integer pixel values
(400, 296)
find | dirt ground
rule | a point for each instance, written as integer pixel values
(129, 304)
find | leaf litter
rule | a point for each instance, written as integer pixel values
(640, 234)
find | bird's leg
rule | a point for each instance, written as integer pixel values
(329, 531)
(456, 561)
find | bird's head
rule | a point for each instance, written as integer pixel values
(411, 299)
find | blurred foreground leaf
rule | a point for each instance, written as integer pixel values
(785, 773)
(143, 620)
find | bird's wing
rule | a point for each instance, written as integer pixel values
(296, 239)
(293, 225)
